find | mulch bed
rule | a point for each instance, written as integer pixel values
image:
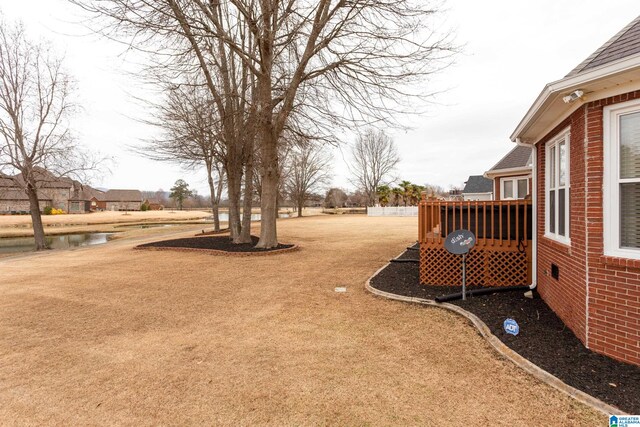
(219, 244)
(543, 338)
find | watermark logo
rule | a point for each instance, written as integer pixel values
(624, 421)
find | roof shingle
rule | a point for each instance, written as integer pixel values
(478, 184)
(123, 196)
(625, 43)
(519, 157)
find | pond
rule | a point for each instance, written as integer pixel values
(64, 241)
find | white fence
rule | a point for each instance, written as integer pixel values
(393, 211)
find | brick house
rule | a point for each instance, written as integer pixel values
(64, 193)
(584, 132)
(512, 176)
(52, 191)
(122, 200)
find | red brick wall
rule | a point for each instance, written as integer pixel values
(614, 284)
(567, 295)
(613, 326)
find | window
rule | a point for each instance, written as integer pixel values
(514, 187)
(622, 180)
(557, 188)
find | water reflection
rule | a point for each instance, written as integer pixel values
(65, 241)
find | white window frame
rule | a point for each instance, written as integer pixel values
(515, 180)
(611, 180)
(563, 136)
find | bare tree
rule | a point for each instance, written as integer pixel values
(309, 169)
(191, 137)
(333, 60)
(374, 157)
(36, 145)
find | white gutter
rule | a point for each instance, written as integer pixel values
(568, 83)
(519, 170)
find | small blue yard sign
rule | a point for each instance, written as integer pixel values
(511, 327)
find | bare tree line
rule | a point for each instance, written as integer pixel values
(326, 63)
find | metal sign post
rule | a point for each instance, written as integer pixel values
(460, 242)
(464, 277)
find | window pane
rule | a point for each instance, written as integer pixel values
(508, 190)
(630, 146)
(630, 215)
(552, 167)
(561, 212)
(552, 211)
(562, 160)
(522, 188)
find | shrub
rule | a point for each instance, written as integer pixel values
(47, 210)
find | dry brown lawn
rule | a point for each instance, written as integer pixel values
(109, 335)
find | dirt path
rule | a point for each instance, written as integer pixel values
(109, 335)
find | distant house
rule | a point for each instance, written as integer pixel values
(64, 193)
(83, 199)
(512, 176)
(16, 201)
(584, 131)
(53, 191)
(478, 187)
(122, 200)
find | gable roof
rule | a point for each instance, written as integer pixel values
(16, 194)
(123, 196)
(625, 43)
(478, 184)
(44, 179)
(518, 157)
(86, 193)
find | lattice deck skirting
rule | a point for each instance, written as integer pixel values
(486, 266)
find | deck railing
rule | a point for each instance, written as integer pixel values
(502, 254)
(501, 223)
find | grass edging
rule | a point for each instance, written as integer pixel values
(502, 349)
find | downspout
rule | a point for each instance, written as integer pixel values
(534, 213)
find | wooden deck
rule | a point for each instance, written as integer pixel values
(502, 254)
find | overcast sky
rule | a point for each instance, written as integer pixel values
(511, 49)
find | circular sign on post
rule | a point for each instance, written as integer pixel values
(459, 241)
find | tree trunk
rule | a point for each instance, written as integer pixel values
(300, 207)
(269, 198)
(219, 191)
(214, 201)
(234, 204)
(36, 218)
(247, 205)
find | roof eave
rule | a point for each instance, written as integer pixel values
(510, 171)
